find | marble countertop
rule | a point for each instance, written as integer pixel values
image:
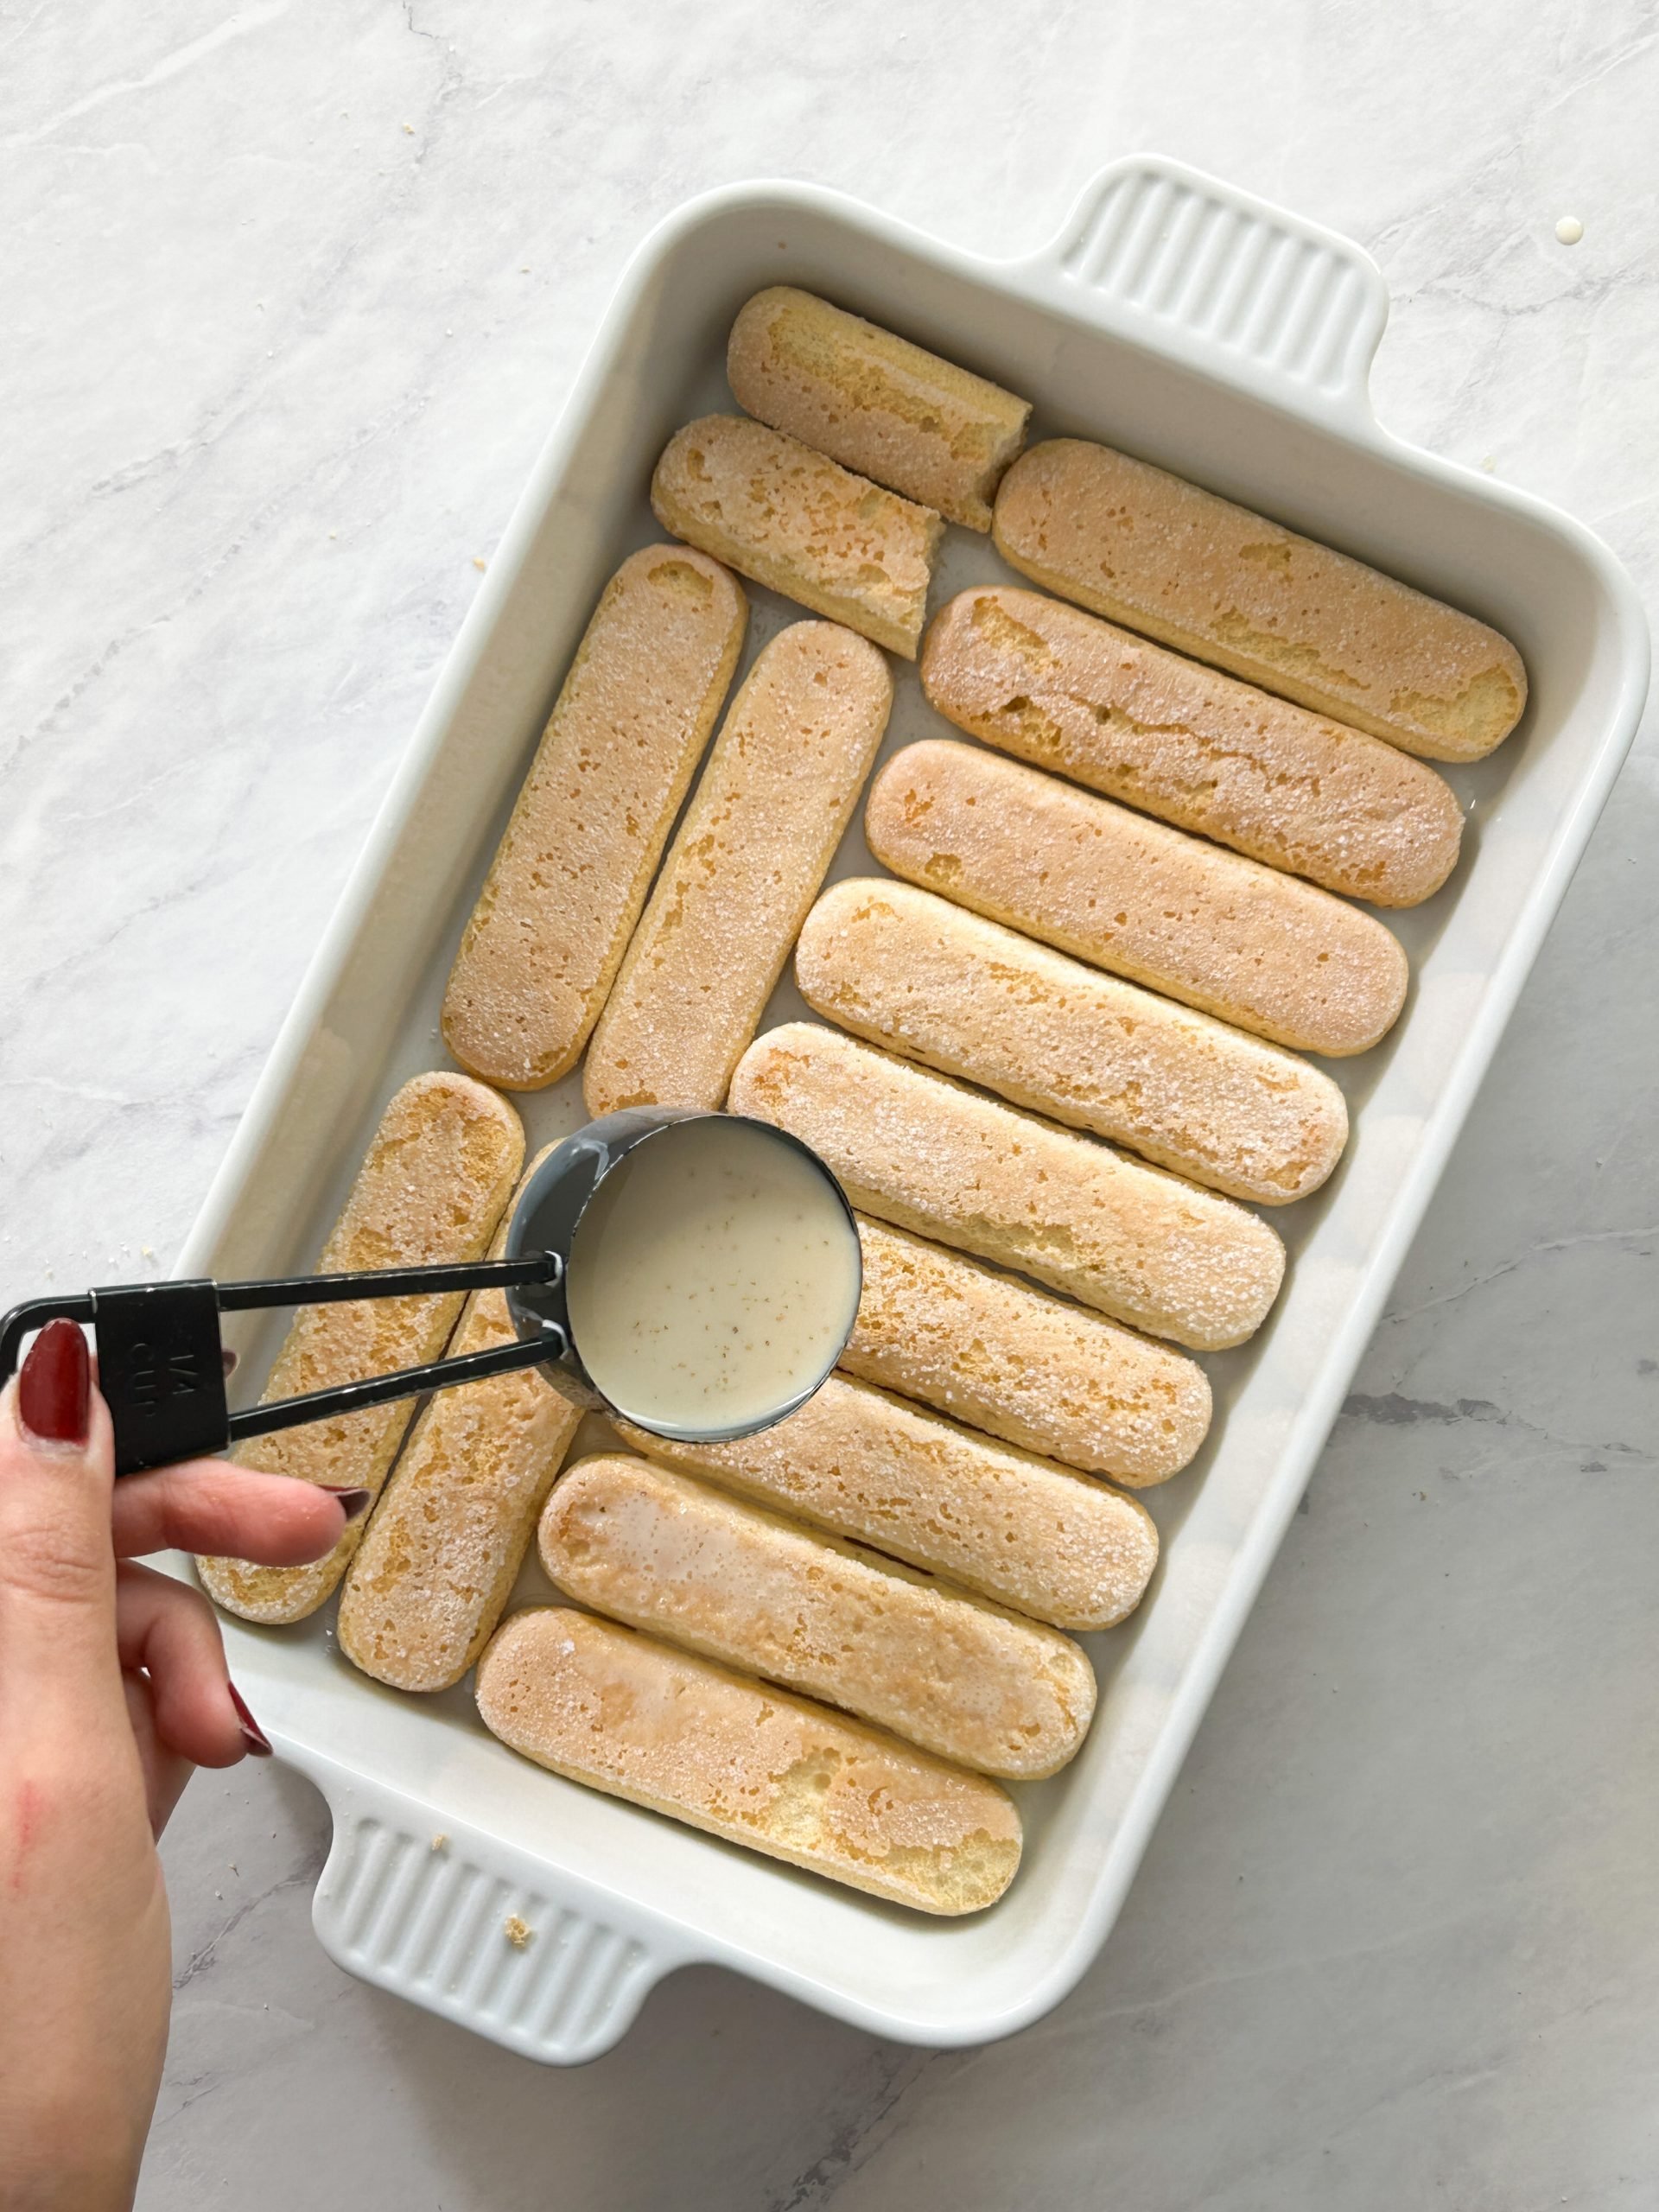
(292, 293)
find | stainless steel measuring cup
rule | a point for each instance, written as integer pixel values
(161, 1360)
(548, 1219)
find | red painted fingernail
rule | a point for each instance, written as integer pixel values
(54, 1390)
(354, 1503)
(258, 1743)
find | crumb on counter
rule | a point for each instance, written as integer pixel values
(517, 1932)
(479, 561)
(440, 1843)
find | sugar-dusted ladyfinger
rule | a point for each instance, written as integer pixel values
(1064, 690)
(570, 875)
(1034, 1370)
(931, 1155)
(1218, 931)
(764, 823)
(875, 402)
(438, 1561)
(944, 986)
(699, 1567)
(802, 525)
(432, 1187)
(1140, 546)
(1029, 1532)
(603, 1705)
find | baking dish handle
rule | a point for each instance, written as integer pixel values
(469, 1927)
(1219, 279)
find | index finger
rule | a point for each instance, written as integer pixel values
(225, 1511)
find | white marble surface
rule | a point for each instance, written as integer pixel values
(291, 294)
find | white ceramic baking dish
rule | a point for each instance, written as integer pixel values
(1201, 329)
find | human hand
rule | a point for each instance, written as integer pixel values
(113, 1687)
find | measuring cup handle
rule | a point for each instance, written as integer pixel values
(409, 1383)
(24, 1320)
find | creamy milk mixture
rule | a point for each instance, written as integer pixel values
(713, 1279)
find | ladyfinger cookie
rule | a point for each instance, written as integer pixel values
(1219, 932)
(947, 1671)
(570, 875)
(775, 511)
(438, 1561)
(1035, 1370)
(876, 403)
(931, 1155)
(779, 789)
(433, 1186)
(1066, 691)
(603, 1705)
(942, 986)
(1140, 546)
(1032, 1534)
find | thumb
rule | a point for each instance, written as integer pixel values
(58, 1661)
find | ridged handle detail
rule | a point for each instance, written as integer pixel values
(460, 1924)
(1290, 302)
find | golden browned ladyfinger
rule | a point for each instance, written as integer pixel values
(1220, 932)
(1033, 1368)
(432, 1187)
(944, 986)
(437, 1563)
(935, 1157)
(1064, 690)
(720, 1576)
(875, 402)
(1024, 1530)
(602, 1705)
(1190, 568)
(775, 511)
(569, 878)
(763, 825)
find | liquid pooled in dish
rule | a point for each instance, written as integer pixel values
(713, 1278)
